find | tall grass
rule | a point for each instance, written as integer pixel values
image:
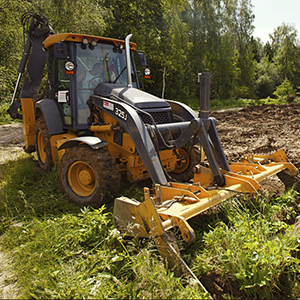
(253, 244)
(26, 193)
(61, 251)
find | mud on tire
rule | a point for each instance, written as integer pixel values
(88, 177)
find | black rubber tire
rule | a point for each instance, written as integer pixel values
(193, 159)
(42, 145)
(102, 172)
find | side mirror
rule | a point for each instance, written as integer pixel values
(60, 50)
(142, 59)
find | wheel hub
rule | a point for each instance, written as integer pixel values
(85, 177)
(81, 178)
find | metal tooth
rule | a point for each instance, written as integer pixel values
(264, 153)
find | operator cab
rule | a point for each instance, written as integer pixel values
(77, 65)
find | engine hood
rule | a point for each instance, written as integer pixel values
(133, 96)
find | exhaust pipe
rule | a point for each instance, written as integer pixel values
(204, 95)
(128, 61)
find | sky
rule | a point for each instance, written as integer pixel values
(269, 14)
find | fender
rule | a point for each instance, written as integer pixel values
(182, 110)
(51, 114)
(92, 141)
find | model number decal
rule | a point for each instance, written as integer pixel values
(120, 113)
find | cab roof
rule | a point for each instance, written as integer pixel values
(76, 37)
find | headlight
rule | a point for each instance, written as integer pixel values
(94, 42)
(69, 66)
(147, 72)
(85, 41)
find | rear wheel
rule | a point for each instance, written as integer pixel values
(88, 176)
(42, 145)
(184, 170)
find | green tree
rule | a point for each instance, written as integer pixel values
(268, 51)
(267, 77)
(213, 44)
(11, 44)
(80, 16)
(138, 17)
(258, 49)
(287, 56)
(242, 24)
(169, 51)
(283, 90)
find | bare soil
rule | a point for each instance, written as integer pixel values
(8, 285)
(260, 130)
(252, 130)
(11, 141)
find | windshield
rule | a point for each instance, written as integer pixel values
(103, 63)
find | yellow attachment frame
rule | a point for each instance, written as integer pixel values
(170, 206)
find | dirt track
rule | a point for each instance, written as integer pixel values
(260, 129)
(11, 141)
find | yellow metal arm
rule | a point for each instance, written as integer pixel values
(172, 205)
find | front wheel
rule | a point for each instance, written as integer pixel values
(88, 177)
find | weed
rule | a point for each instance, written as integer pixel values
(83, 256)
(4, 115)
(26, 193)
(254, 248)
(61, 251)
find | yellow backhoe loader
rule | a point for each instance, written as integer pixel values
(97, 122)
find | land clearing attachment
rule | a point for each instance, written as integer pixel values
(173, 204)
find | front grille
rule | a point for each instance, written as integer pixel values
(158, 117)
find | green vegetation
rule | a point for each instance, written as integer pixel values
(283, 94)
(255, 247)
(64, 251)
(4, 116)
(180, 38)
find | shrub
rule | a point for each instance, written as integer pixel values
(255, 247)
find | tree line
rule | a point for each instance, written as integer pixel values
(181, 38)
